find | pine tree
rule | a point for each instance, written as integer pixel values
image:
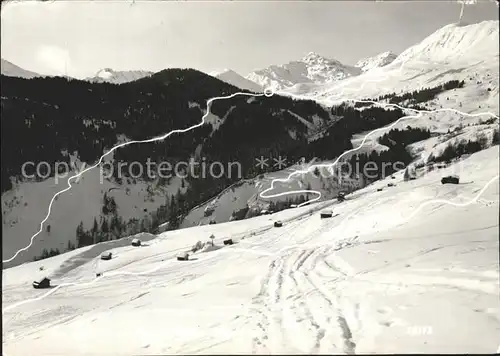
(104, 204)
(120, 225)
(496, 137)
(95, 227)
(70, 246)
(112, 224)
(145, 224)
(135, 226)
(406, 175)
(154, 222)
(173, 211)
(80, 235)
(94, 231)
(108, 205)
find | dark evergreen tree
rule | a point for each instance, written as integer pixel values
(94, 232)
(80, 235)
(496, 137)
(104, 230)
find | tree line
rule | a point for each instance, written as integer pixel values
(404, 137)
(415, 97)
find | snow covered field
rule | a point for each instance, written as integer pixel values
(393, 271)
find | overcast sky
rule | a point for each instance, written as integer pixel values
(80, 37)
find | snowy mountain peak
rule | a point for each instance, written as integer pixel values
(105, 73)
(377, 61)
(118, 77)
(11, 70)
(388, 54)
(313, 57)
(311, 69)
(457, 41)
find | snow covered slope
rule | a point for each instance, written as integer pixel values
(231, 77)
(469, 53)
(313, 69)
(368, 280)
(11, 70)
(246, 193)
(377, 61)
(25, 206)
(455, 40)
(118, 77)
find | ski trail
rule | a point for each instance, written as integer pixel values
(294, 311)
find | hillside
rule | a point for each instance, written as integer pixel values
(313, 286)
(46, 124)
(454, 41)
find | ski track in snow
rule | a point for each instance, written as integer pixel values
(292, 290)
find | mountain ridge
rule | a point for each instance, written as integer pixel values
(12, 70)
(454, 41)
(380, 60)
(231, 77)
(312, 68)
